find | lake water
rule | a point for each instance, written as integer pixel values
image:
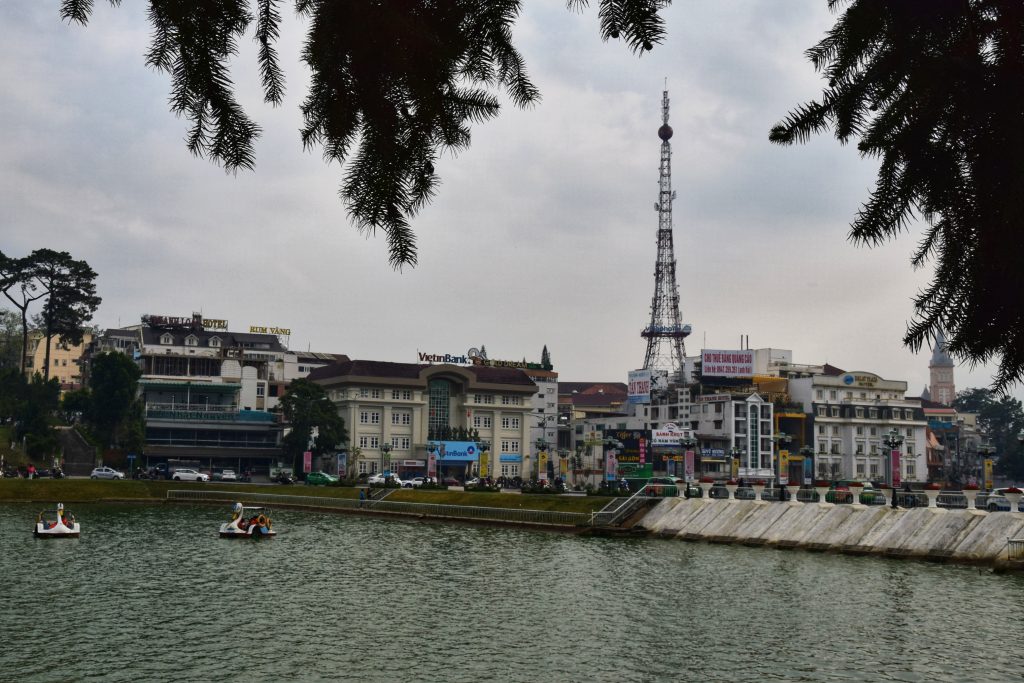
(151, 593)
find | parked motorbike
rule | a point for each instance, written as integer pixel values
(283, 479)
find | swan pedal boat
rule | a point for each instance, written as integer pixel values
(248, 522)
(56, 524)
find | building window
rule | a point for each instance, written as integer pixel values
(401, 395)
(910, 432)
(368, 441)
(821, 429)
(835, 430)
(511, 400)
(482, 421)
(860, 449)
(439, 402)
(400, 443)
(873, 431)
(509, 470)
(485, 399)
(835, 448)
(214, 342)
(860, 412)
(191, 341)
(369, 417)
(874, 470)
(860, 470)
(911, 470)
(820, 394)
(860, 431)
(401, 417)
(835, 411)
(821, 447)
(510, 423)
(908, 414)
(261, 390)
(510, 445)
(910, 449)
(821, 411)
(832, 394)
(166, 339)
(873, 413)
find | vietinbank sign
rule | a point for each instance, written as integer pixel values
(443, 358)
(458, 451)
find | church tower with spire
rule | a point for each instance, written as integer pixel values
(942, 387)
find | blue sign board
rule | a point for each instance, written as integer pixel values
(459, 451)
(511, 457)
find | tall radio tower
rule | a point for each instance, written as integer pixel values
(665, 334)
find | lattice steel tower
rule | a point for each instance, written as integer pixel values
(665, 334)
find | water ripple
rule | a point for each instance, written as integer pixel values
(151, 593)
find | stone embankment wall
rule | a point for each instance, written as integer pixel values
(968, 536)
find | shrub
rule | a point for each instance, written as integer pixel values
(932, 486)
(707, 480)
(971, 487)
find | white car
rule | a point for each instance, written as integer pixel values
(106, 473)
(380, 480)
(416, 482)
(189, 475)
(228, 475)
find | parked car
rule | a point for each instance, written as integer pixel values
(189, 475)
(451, 481)
(997, 501)
(111, 473)
(416, 482)
(379, 479)
(320, 479)
(662, 486)
(228, 475)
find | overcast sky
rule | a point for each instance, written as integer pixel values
(543, 232)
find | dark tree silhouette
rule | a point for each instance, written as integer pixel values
(71, 300)
(393, 84)
(934, 90)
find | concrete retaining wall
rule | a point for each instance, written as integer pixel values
(969, 536)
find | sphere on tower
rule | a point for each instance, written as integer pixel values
(665, 132)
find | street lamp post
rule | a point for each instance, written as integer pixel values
(781, 440)
(735, 453)
(542, 447)
(385, 460)
(892, 440)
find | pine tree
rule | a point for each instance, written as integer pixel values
(934, 92)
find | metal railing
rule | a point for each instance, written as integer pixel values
(1015, 548)
(468, 512)
(619, 509)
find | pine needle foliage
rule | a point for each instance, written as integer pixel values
(933, 89)
(395, 83)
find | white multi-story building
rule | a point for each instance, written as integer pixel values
(736, 428)
(853, 413)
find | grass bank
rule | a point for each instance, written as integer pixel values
(89, 491)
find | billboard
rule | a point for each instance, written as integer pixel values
(639, 386)
(727, 363)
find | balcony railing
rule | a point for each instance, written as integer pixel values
(204, 412)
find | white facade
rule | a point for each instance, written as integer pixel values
(745, 423)
(852, 413)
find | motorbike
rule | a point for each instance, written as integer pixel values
(283, 479)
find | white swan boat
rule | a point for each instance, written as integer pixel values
(248, 522)
(56, 523)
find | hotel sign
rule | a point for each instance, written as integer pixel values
(185, 321)
(260, 329)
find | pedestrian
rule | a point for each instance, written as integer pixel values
(362, 497)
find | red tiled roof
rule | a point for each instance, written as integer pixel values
(831, 370)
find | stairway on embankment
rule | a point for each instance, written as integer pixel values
(965, 536)
(79, 455)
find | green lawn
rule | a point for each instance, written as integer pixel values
(88, 490)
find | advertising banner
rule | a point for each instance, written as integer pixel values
(432, 465)
(484, 463)
(735, 468)
(808, 471)
(688, 469)
(643, 452)
(611, 465)
(726, 363)
(343, 465)
(896, 479)
(542, 465)
(563, 467)
(307, 461)
(783, 468)
(639, 386)
(989, 482)
(631, 440)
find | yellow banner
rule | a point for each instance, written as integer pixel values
(483, 464)
(989, 483)
(783, 467)
(735, 468)
(542, 465)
